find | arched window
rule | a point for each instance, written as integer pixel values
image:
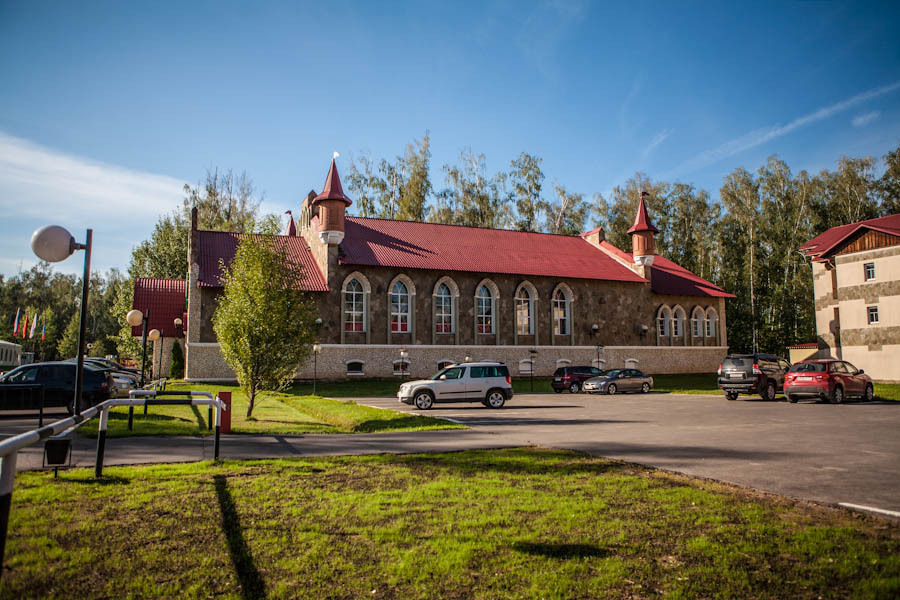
(354, 307)
(401, 367)
(524, 312)
(399, 308)
(443, 364)
(678, 322)
(698, 322)
(712, 323)
(484, 310)
(662, 321)
(443, 310)
(560, 313)
(356, 367)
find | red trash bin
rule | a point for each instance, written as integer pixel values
(225, 425)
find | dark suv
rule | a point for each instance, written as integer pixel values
(58, 379)
(761, 374)
(572, 378)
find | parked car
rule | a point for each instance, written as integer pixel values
(571, 378)
(485, 382)
(110, 364)
(761, 374)
(124, 380)
(619, 380)
(58, 379)
(828, 379)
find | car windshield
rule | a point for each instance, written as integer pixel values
(808, 368)
(612, 373)
(449, 373)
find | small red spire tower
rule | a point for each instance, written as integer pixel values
(643, 244)
(332, 204)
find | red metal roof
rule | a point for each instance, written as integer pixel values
(165, 299)
(213, 246)
(413, 245)
(642, 219)
(670, 278)
(820, 246)
(332, 189)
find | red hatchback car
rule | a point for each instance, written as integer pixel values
(828, 379)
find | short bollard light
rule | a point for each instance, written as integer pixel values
(57, 453)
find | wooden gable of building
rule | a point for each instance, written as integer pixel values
(868, 239)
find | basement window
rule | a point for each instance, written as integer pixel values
(355, 367)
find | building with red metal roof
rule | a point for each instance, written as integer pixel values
(856, 285)
(441, 293)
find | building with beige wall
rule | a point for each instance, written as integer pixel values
(856, 283)
(401, 298)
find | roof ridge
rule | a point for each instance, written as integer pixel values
(578, 235)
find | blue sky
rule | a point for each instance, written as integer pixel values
(107, 109)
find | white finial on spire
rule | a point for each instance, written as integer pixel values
(335, 155)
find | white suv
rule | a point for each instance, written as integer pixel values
(485, 382)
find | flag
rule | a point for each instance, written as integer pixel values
(33, 326)
(25, 327)
(43, 330)
(16, 325)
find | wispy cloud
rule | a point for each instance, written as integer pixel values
(766, 134)
(863, 120)
(656, 141)
(40, 182)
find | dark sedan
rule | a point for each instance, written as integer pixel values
(619, 380)
(58, 379)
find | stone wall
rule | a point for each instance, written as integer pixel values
(379, 359)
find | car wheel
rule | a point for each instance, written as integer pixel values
(732, 396)
(792, 399)
(495, 399)
(838, 396)
(575, 388)
(423, 400)
(611, 389)
(645, 388)
(869, 394)
(769, 391)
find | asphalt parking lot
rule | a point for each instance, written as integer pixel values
(836, 454)
(848, 453)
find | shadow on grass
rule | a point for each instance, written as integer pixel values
(252, 584)
(513, 462)
(105, 480)
(410, 422)
(562, 551)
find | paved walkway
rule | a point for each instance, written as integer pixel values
(827, 453)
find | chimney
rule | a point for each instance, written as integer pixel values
(332, 203)
(643, 244)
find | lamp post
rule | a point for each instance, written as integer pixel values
(317, 347)
(599, 350)
(153, 335)
(135, 318)
(53, 244)
(404, 363)
(533, 352)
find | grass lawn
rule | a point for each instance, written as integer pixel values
(274, 413)
(524, 523)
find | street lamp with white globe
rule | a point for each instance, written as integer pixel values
(53, 243)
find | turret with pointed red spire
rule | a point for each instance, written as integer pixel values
(291, 228)
(643, 245)
(332, 204)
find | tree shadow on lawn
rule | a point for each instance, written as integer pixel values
(563, 551)
(525, 461)
(252, 584)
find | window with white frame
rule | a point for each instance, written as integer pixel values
(524, 317)
(712, 322)
(560, 313)
(678, 323)
(526, 366)
(354, 306)
(872, 313)
(484, 310)
(698, 323)
(662, 322)
(443, 310)
(399, 308)
(401, 367)
(355, 367)
(869, 271)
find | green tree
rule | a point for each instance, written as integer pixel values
(263, 323)
(568, 213)
(176, 367)
(617, 212)
(888, 185)
(68, 343)
(527, 180)
(471, 197)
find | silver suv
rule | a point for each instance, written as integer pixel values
(485, 382)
